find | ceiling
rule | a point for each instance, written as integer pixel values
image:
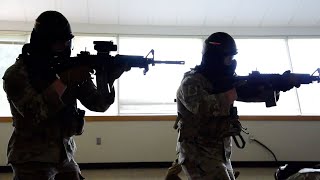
(179, 13)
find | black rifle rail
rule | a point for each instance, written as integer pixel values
(274, 80)
(103, 60)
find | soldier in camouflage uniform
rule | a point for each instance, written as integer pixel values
(206, 117)
(43, 103)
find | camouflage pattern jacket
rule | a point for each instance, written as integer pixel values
(38, 123)
(204, 116)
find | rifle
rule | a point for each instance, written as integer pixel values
(101, 61)
(276, 82)
(103, 57)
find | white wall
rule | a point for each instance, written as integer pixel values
(154, 141)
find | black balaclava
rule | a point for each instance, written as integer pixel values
(50, 26)
(216, 47)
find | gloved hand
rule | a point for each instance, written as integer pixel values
(76, 75)
(117, 70)
(173, 171)
(288, 82)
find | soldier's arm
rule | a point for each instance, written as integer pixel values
(196, 98)
(99, 98)
(190, 94)
(27, 101)
(95, 99)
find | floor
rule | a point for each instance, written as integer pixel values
(158, 174)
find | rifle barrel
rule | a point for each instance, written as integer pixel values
(315, 78)
(167, 62)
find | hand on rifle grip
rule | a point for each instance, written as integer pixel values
(289, 81)
(118, 70)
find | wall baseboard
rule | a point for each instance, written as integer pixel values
(129, 165)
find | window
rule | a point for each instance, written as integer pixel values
(305, 59)
(154, 93)
(10, 48)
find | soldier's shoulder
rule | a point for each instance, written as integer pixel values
(15, 70)
(192, 77)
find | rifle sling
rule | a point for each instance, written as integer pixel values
(237, 143)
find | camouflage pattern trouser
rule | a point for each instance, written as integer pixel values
(200, 162)
(211, 170)
(173, 171)
(46, 171)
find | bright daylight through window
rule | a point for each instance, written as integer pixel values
(154, 93)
